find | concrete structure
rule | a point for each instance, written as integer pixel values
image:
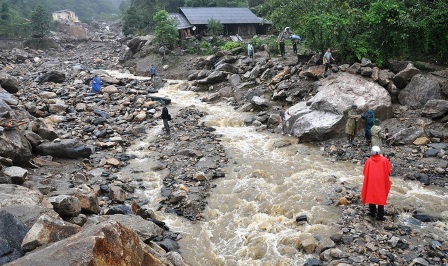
(66, 16)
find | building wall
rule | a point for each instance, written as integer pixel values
(65, 16)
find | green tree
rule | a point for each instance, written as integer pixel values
(139, 16)
(214, 27)
(165, 31)
(40, 21)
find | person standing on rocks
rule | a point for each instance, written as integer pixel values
(351, 125)
(294, 47)
(96, 84)
(250, 51)
(369, 118)
(377, 184)
(377, 134)
(282, 48)
(326, 60)
(281, 40)
(152, 71)
(283, 118)
(165, 117)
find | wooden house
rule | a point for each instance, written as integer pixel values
(236, 21)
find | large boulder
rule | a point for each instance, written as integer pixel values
(15, 174)
(407, 136)
(47, 230)
(226, 67)
(108, 243)
(443, 76)
(76, 32)
(421, 89)
(12, 233)
(324, 114)
(52, 76)
(146, 230)
(435, 108)
(9, 83)
(14, 145)
(402, 78)
(214, 77)
(66, 205)
(66, 148)
(25, 204)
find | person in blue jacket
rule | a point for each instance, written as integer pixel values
(96, 84)
(369, 119)
(152, 71)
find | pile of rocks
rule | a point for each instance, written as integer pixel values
(47, 112)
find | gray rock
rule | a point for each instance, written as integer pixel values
(67, 148)
(260, 102)
(117, 243)
(48, 230)
(354, 69)
(402, 78)
(431, 153)
(435, 108)
(9, 83)
(407, 136)
(420, 90)
(385, 77)
(227, 68)
(146, 230)
(214, 77)
(12, 233)
(14, 145)
(16, 174)
(52, 76)
(66, 206)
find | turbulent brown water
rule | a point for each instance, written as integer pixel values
(250, 218)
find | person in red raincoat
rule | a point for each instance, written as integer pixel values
(376, 185)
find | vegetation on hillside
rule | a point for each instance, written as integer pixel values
(406, 29)
(15, 15)
(379, 30)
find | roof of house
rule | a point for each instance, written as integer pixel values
(180, 21)
(225, 15)
(63, 11)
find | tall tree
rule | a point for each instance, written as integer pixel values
(165, 32)
(41, 21)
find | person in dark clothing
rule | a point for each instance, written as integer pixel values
(369, 119)
(294, 47)
(166, 117)
(282, 48)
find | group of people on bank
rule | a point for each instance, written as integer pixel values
(374, 134)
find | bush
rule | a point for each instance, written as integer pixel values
(205, 48)
(230, 46)
(257, 41)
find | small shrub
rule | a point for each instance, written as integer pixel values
(257, 41)
(230, 45)
(205, 48)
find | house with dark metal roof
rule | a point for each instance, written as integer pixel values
(236, 20)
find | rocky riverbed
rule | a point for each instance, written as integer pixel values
(74, 145)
